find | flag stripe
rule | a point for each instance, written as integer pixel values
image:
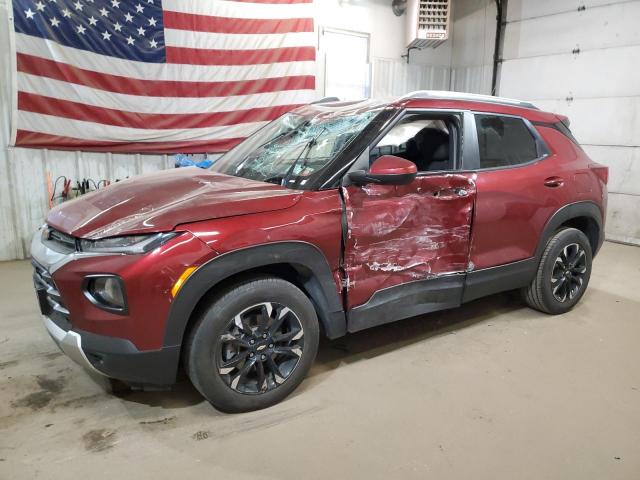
(78, 111)
(158, 75)
(195, 56)
(233, 10)
(230, 41)
(67, 127)
(150, 71)
(158, 88)
(32, 139)
(205, 23)
(135, 103)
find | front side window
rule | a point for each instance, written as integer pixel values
(504, 141)
(289, 150)
(423, 139)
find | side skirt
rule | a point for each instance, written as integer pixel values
(499, 279)
(407, 300)
(439, 293)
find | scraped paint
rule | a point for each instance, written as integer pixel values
(398, 234)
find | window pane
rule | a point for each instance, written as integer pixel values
(423, 140)
(504, 141)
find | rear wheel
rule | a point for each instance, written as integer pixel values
(563, 273)
(253, 345)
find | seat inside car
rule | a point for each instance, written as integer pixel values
(429, 150)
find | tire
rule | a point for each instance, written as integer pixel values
(553, 290)
(253, 345)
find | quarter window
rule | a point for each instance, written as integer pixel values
(504, 141)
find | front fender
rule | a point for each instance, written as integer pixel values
(306, 258)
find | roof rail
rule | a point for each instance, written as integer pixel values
(447, 95)
(325, 100)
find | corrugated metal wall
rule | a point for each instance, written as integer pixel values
(8, 232)
(581, 58)
(473, 40)
(464, 63)
(393, 78)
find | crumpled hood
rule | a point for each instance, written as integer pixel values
(160, 201)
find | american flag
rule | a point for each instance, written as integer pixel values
(158, 75)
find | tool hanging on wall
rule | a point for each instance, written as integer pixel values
(62, 184)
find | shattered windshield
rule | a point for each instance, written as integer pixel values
(292, 148)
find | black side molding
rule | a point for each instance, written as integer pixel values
(407, 300)
(305, 258)
(499, 279)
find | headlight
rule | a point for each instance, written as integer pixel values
(130, 244)
(107, 292)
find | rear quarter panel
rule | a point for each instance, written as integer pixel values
(581, 181)
(514, 206)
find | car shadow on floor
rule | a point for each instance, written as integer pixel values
(354, 347)
(385, 338)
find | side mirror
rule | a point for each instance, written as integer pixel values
(386, 170)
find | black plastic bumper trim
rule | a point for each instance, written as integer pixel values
(120, 359)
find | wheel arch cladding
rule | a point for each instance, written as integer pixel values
(307, 261)
(584, 216)
(589, 226)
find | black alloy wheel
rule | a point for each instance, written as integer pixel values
(252, 344)
(563, 273)
(260, 348)
(569, 269)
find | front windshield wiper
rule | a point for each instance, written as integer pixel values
(307, 148)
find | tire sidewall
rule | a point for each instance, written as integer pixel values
(564, 238)
(204, 347)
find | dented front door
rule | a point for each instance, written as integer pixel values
(399, 234)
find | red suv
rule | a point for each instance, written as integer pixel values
(334, 218)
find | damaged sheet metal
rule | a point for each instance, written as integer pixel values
(399, 234)
(159, 201)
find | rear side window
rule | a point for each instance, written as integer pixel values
(504, 141)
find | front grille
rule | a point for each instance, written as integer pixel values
(49, 298)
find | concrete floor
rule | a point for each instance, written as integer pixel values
(491, 390)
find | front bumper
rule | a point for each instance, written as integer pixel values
(116, 357)
(70, 343)
(105, 355)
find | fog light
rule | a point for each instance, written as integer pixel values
(106, 292)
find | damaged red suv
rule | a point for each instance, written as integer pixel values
(334, 218)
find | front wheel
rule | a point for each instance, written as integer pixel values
(563, 273)
(253, 345)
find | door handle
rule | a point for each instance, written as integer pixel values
(553, 182)
(460, 192)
